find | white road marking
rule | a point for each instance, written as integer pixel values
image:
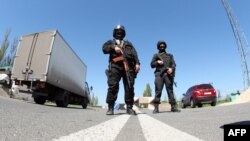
(107, 131)
(155, 130)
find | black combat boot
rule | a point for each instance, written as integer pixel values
(156, 110)
(130, 110)
(174, 108)
(110, 110)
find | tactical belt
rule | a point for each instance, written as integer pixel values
(117, 59)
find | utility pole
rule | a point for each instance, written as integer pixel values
(241, 41)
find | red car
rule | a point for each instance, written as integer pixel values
(198, 95)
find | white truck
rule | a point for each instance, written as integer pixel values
(51, 70)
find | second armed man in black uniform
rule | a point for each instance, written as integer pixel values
(164, 65)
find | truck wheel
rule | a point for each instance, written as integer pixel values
(84, 103)
(40, 99)
(64, 101)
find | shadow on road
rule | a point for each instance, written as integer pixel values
(238, 123)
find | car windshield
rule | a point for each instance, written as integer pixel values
(205, 86)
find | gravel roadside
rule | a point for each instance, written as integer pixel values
(19, 95)
(3, 92)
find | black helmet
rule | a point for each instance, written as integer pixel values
(161, 42)
(122, 31)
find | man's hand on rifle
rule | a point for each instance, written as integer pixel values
(170, 71)
(160, 62)
(137, 68)
(118, 50)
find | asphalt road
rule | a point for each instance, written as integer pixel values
(26, 121)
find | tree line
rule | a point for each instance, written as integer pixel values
(8, 50)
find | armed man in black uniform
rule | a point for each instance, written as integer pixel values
(123, 63)
(164, 74)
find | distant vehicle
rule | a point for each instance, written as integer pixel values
(5, 74)
(51, 70)
(198, 95)
(6, 69)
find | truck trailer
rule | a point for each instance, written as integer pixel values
(50, 69)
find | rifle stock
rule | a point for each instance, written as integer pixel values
(126, 67)
(165, 66)
(125, 64)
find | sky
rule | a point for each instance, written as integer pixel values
(198, 34)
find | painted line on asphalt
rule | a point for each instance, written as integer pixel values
(155, 130)
(107, 130)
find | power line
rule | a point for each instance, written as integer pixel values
(241, 41)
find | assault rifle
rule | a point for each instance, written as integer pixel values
(125, 63)
(166, 66)
(126, 67)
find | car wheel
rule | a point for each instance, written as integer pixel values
(192, 103)
(213, 103)
(183, 105)
(200, 105)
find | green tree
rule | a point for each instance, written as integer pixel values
(9, 59)
(91, 103)
(148, 91)
(5, 45)
(228, 98)
(219, 95)
(93, 100)
(96, 101)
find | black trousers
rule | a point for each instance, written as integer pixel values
(115, 73)
(160, 81)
